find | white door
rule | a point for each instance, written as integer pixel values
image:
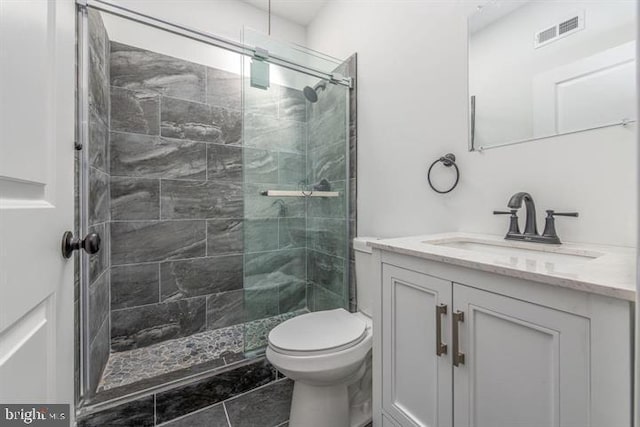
(36, 200)
(416, 378)
(524, 365)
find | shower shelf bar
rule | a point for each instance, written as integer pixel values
(230, 45)
(283, 193)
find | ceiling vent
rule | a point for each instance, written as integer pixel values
(564, 28)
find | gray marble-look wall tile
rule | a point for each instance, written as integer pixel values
(292, 297)
(332, 102)
(141, 326)
(224, 236)
(98, 303)
(189, 398)
(213, 416)
(267, 406)
(154, 157)
(353, 232)
(98, 142)
(292, 233)
(99, 261)
(225, 309)
(353, 199)
(200, 276)
(260, 166)
(292, 168)
(258, 206)
(203, 199)
(135, 198)
(327, 162)
(140, 69)
(260, 235)
(261, 101)
(327, 235)
(328, 127)
(98, 40)
(134, 285)
(224, 89)
(98, 196)
(224, 162)
(99, 350)
(326, 300)
(330, 207)
(134, 111)
(200, 122)
(98, 88)
(353, 296)
(292, 104)
(274, 268)
(268, 133)
(260, 303)
(139, 413)
(144, 241)
(326, 271)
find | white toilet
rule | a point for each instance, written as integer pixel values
(328, 356)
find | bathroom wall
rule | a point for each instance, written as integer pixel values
(413, 108)
(176, 198)
(328, 254)
(178, 204)
(275, 230)
(99, 199)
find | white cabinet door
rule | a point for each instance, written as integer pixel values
(37, 47)
(416, 382)
(525, 365)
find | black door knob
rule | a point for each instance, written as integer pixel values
(90, 243)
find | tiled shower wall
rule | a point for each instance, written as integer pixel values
(329, 248)
(99, 199)
(178, 205)
(176, 198)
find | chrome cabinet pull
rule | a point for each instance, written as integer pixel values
(441, 348)
(458, 357)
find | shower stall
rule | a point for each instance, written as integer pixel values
(220, 177)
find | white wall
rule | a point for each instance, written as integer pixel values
(412, 108)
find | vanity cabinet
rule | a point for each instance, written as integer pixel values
(416, 381)
(496, 351)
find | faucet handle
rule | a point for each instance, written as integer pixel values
(550, 226)
(552, 213)
(514, 229)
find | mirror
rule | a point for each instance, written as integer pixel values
(544, 68)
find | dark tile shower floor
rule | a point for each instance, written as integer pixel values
(206, 350)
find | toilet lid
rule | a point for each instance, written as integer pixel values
(317, 332)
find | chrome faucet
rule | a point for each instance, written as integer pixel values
(530, 234)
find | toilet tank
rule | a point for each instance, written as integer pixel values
(365, 273)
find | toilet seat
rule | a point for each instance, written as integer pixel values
(318, 333)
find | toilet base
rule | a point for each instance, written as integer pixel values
(319, 406)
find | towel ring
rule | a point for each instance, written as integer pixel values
(448, 160)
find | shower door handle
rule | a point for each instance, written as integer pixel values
(458, 357)
(90, 243)
(441, 348)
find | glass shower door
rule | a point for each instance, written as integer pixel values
(295, 175)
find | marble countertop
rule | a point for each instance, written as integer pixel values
(604, 270)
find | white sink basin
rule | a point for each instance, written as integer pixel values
(515, 249)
